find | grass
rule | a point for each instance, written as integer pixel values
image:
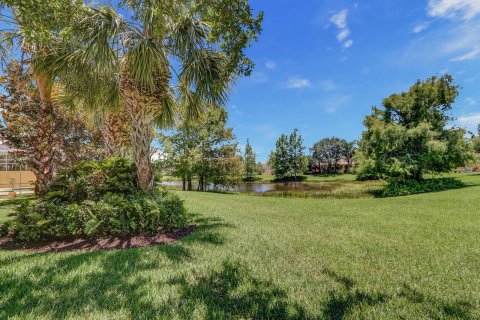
(414, 257)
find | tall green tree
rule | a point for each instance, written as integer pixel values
(204, 149)
(288, 161)
(296, 155)
(32, 29)
(349, 149)
(279, 159)
(476, 140)
(328, 152)
(250, 162)
(74, 138)
(410, 136)
(183, 50)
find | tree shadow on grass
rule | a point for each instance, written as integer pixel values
(232, 292)
(435, 308)
(63, 285)
(339, 304)
(127, 282)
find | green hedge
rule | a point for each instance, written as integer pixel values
(115, 214)
(402, 188)
(95, 199)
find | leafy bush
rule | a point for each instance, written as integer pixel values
(92, 180)
(4, 229)
(114, 214)
(97, 199)
(402, 188)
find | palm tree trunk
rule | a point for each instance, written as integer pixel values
(142, 111)
(116, 134)
(44, 147)
(142, 108)
(142, 137)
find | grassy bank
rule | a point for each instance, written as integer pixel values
(255, 257)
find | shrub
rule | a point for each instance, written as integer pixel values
(97, 199)
(402, 188)
(4, 229)
(92, 180)
(115, 214)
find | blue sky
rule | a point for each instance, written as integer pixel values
(322, 64)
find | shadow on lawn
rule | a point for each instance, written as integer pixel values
(147, 283)
(122, 282)
(232, 292)
(140, 283)
(341, 303)
(167, 282)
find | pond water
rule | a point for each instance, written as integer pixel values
(246, 187)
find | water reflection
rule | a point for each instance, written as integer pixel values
(255, 187)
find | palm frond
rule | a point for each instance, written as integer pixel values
(86, 61)
(187, 35)
(146, 63)
(204, 72)
(167, 117)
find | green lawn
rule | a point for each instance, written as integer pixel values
(415, 257)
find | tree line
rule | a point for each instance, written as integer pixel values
(81, 81)
(410, 136)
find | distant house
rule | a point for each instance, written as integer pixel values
(265, 168)
(13, 170)
(322, 168)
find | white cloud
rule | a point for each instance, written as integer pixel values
(470, 121)
(340, 21)
(448, 43)
(420, 27)
(347, 44)
(470, 101)
(468, 56)
(270, 65)
(454, 9)
(298, 83)
(343, 34)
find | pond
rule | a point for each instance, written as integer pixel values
(246, 187)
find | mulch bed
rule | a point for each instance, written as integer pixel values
(88, 245)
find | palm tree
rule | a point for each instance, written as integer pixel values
(33, 28)
(128, 64)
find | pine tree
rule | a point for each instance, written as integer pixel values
(297, 158)
(249, 162)
(288, 161)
